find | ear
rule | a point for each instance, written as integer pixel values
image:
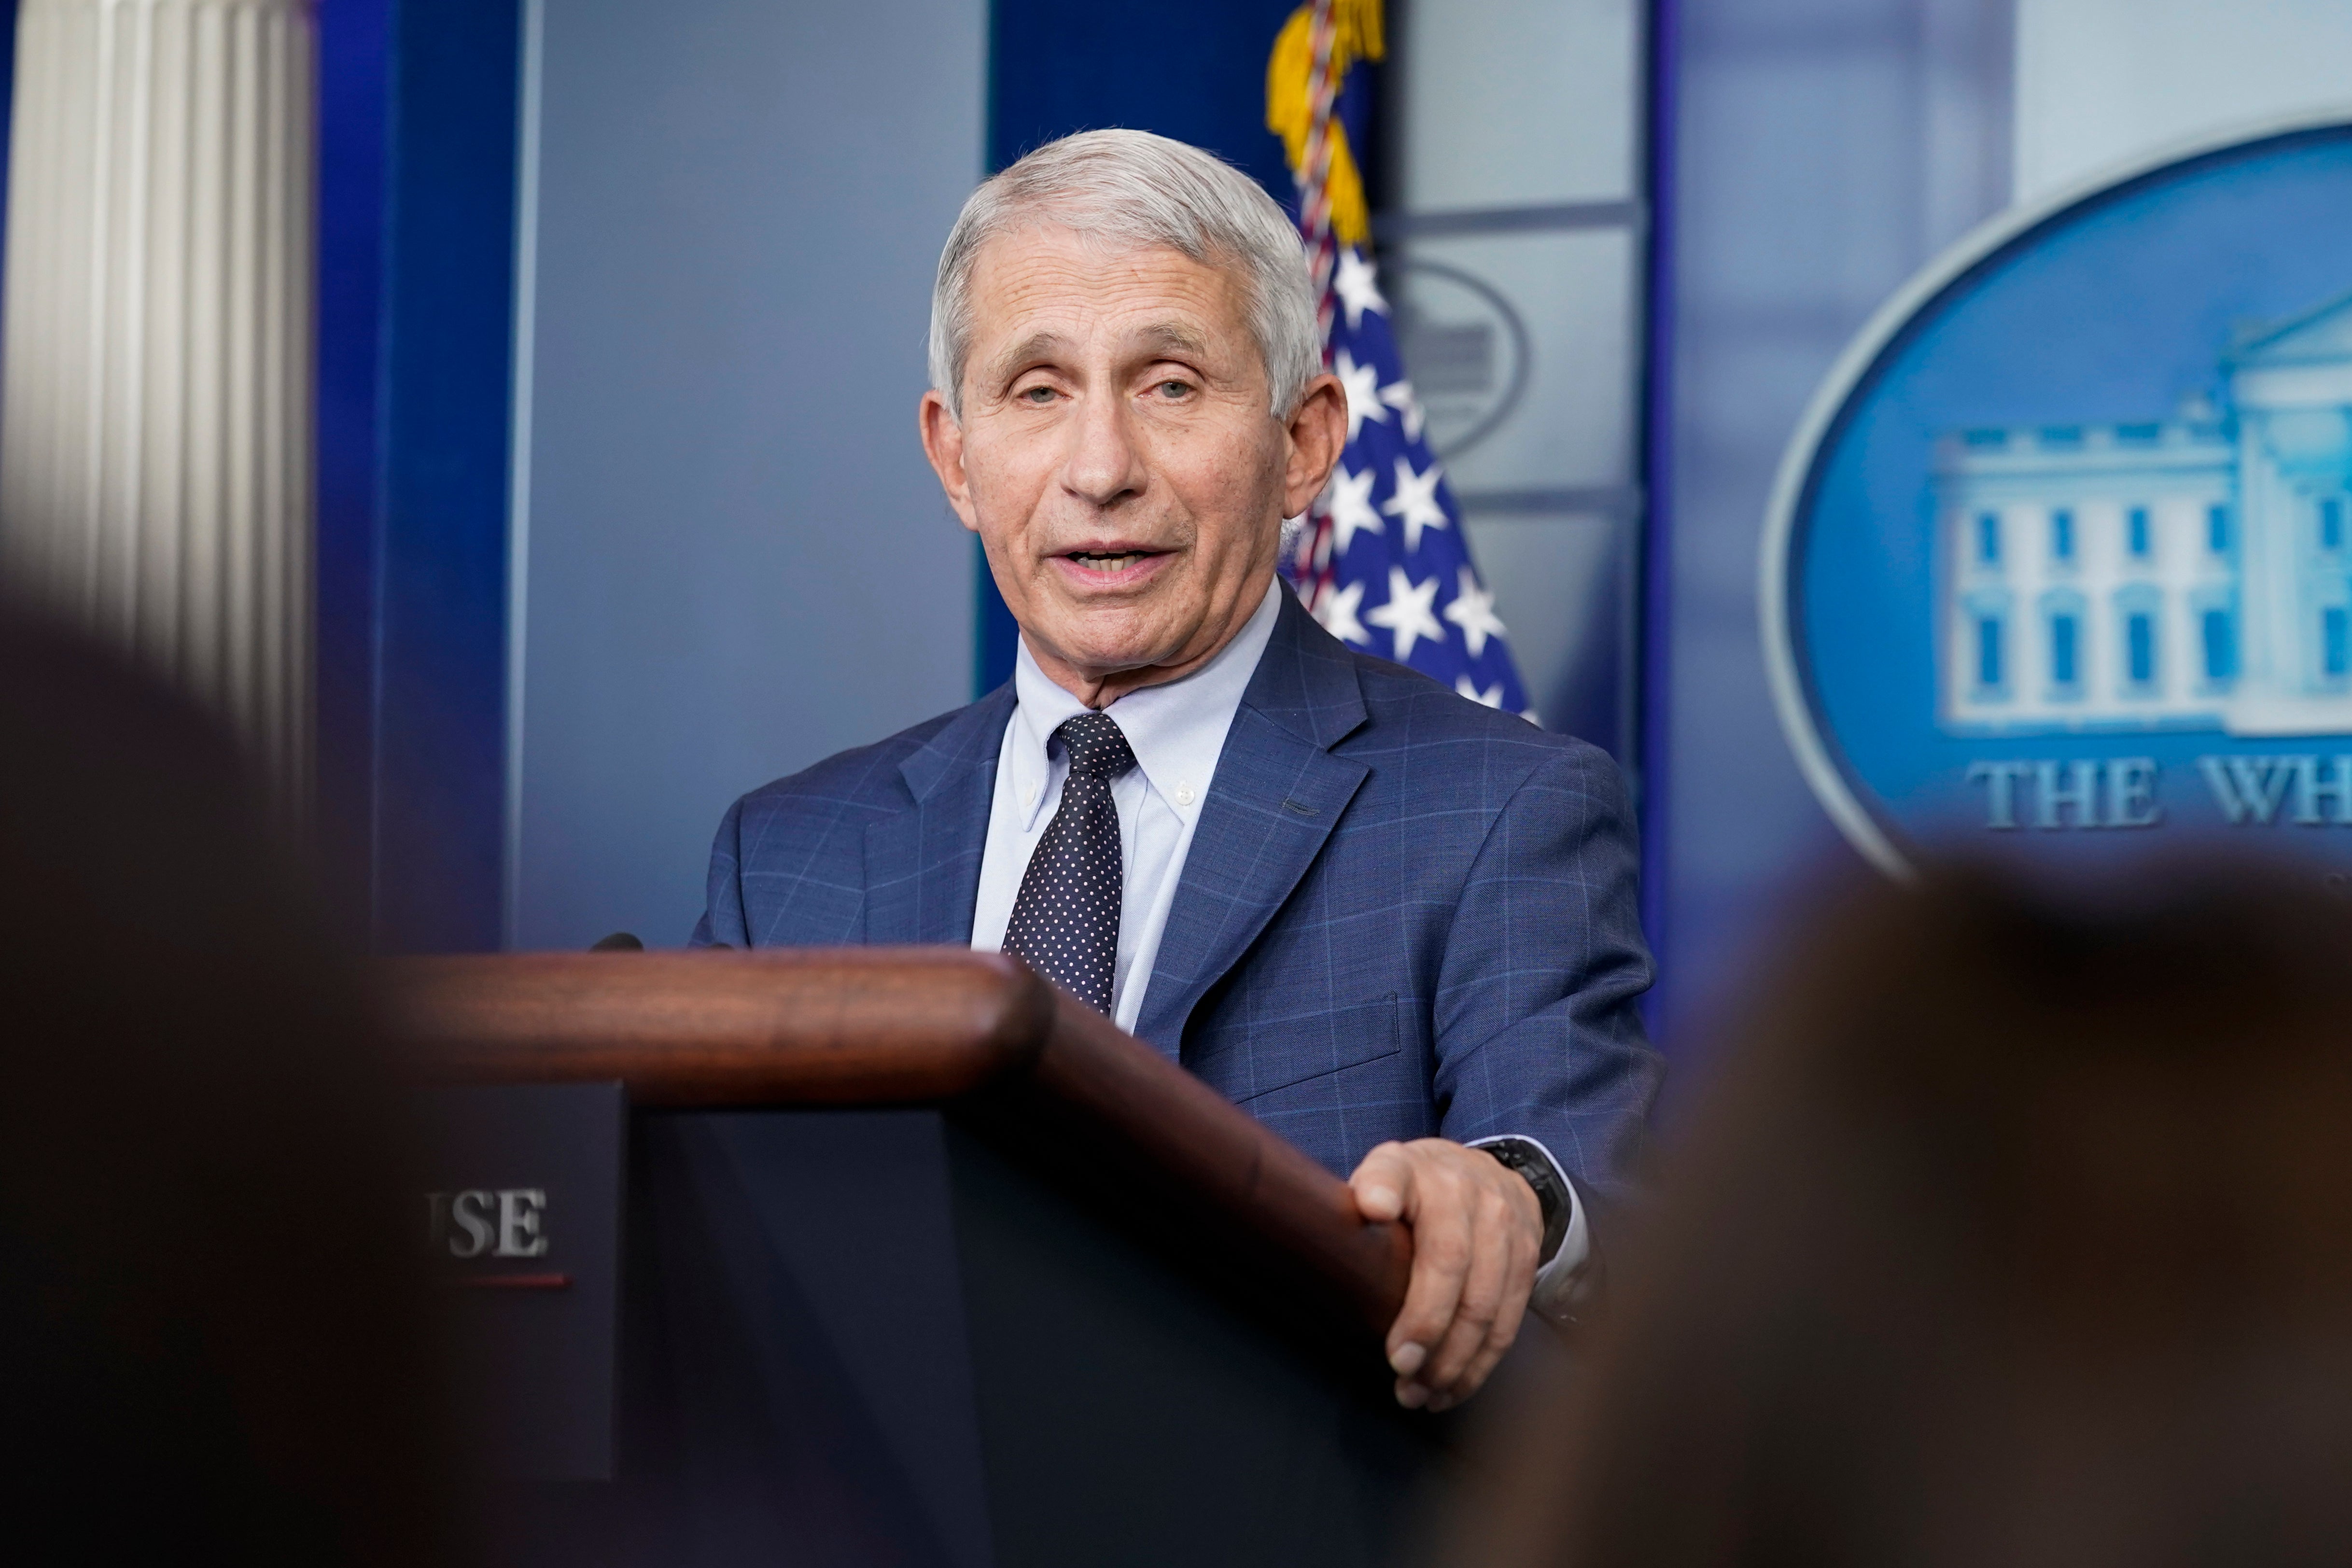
(943, 445)
(1317, 432)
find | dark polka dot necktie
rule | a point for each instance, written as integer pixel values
(1066, 921)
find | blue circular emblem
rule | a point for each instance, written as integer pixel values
(2062, 550)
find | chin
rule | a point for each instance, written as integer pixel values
(1121, 645)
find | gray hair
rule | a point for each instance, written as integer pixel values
(1137, 190)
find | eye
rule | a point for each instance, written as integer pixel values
(1175, 389)
(1040, 393)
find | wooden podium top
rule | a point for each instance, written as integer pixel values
(892, 1026)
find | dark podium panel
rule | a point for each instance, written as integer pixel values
(524, 1200)
(923, 1264)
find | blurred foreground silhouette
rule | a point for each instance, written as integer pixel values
(2017, 1229)
(210, 1346)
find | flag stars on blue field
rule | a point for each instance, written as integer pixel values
(1473, 610)
(1416, 501)
(1352, 512)
(1357, 285)
(1361, 383)
(1398, 394)
(1407, 616)
(1466, 687)
(1409, 592)
(1338, 613)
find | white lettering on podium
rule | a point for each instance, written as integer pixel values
(504, 1222)
(519, 1233)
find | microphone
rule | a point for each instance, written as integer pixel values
(619, 942)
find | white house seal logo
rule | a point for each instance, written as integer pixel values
(2063, 549)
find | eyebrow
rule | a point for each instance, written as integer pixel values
(1035, 346)
(1168, 335)
(1160, 336)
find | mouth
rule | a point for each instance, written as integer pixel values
(1115, 564)
(1108, 562)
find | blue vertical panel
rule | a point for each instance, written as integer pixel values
(1655, 558)
(449, 310)
(995, 638)
(355, 36)
(417, 168)
(1194, 72)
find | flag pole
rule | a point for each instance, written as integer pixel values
(1312, 563)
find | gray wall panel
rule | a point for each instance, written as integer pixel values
(737, 561)
(1826, 149)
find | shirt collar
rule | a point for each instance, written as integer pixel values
(1176, 728)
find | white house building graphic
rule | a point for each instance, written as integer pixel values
(2188, 573)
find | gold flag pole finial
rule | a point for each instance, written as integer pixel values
(1311, 56)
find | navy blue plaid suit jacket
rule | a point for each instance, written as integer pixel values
(1402, 913)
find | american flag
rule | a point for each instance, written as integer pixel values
(1382, 562)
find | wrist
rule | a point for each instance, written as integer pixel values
(1524, 1158)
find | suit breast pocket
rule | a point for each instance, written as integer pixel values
(1249, 1057)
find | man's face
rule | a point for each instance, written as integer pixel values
(1118, 458)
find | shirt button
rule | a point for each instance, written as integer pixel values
(1028, 794)
(1183, 794)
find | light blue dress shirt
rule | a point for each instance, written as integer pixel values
(1177, 731)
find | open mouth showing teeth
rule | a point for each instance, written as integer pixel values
(1095, 561)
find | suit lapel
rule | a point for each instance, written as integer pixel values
(1277, 794)
(922, 866)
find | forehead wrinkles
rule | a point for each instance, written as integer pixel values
(1051, 298)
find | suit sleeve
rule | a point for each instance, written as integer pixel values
(1536, 1025)
(722, 913)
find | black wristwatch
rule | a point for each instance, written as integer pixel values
(1526, 1156)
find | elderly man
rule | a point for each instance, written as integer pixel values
(1396, 926)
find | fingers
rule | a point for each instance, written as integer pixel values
(1475, 1377)
(1440, 1263)
(1476, 1227)
(1384, 1183)
(1500, 1332)
(1499, 1276)
(1442, 1251)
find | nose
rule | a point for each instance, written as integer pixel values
(1105, 464)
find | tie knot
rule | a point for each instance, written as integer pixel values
(1097, 747)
